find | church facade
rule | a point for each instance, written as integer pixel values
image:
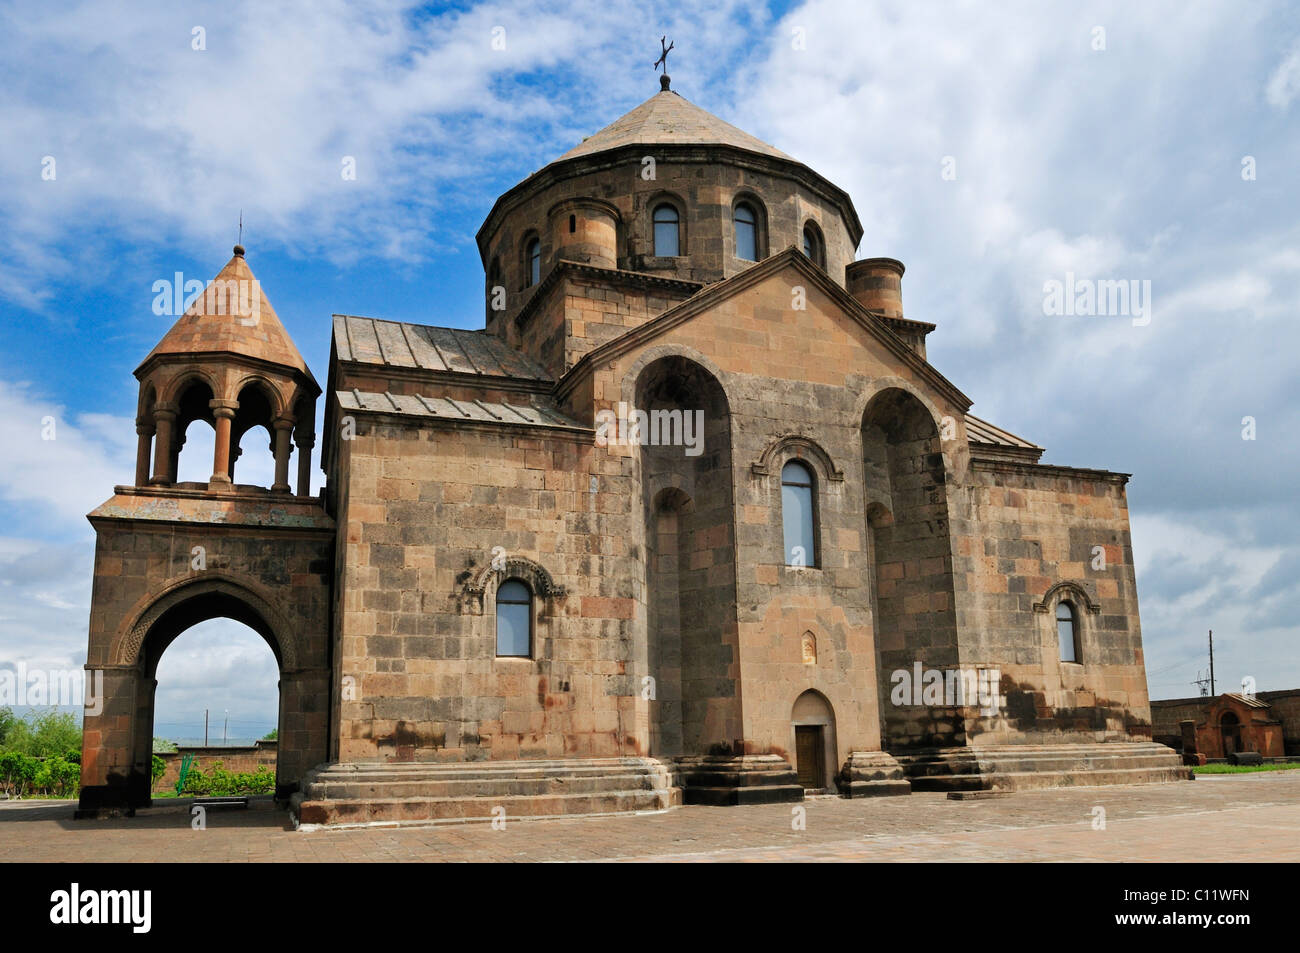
(692, 519)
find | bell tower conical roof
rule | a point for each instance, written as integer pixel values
(232, 316)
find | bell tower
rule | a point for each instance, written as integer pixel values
(170, 554)
(227, 361)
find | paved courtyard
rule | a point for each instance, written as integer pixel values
(1226, 818)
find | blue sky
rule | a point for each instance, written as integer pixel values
(1116, 163)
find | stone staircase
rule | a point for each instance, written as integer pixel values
(407, 793)
(729, 780)
(1027, 767)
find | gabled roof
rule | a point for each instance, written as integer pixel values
(668, 119)
(425, 347)
(1250, 701)
(234, 316)
(720, 291)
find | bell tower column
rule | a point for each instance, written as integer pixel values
(143, 447)
(165, 420)
(283, 429)
(223, 411)
(304, 442)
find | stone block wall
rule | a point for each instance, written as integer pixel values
(428, 509)
(1027, 536)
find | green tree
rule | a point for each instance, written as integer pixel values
(271, 735)
(47, 734)
(7, 721)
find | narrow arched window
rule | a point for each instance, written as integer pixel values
(667, 233)
(812, 245)
(514, 619)
(746, 232)
(1067, 631)
(797, 515)
(533, 255)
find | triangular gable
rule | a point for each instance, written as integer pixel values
(712, 296)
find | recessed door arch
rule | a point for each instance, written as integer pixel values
(812, 730)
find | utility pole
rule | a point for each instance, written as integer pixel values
(225, 729)
(205, 727)
(1211, 663)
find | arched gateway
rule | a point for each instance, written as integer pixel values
(170, 555)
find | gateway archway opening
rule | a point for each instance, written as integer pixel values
(218, 685)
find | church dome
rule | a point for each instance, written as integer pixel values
(668, 119)
(667, 190)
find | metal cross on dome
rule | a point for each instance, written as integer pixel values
(663, 57)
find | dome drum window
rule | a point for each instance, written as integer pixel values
(667, 231)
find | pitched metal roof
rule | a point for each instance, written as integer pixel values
(422, 346)
(668, 119)
(981, 431)
(1250, 701)
(536, 414)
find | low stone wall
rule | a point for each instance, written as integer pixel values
(232, 759)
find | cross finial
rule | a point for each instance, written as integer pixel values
(663, 61)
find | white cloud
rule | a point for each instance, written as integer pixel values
(65, 477)
(1284, 85)
(158, 141)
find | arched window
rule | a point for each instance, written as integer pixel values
(746, 232)
(797, 515)
(1067, 631)
(812, 245)
(667, 232)
(514, 619)
(533, 258)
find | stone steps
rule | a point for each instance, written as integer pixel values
(727, 781)
(412, 794)
(1025, 767)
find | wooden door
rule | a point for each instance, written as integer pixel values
(808, 755)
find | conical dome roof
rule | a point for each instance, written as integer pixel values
(668, 119)
(234, 316)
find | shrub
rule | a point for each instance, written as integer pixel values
(157, 770)
(22, 775)
(220, 782)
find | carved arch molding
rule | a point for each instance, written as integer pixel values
(473, 595)
(127, 651)
(1073, 591)
(805, 448)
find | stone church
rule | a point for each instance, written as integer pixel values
(692, 519)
